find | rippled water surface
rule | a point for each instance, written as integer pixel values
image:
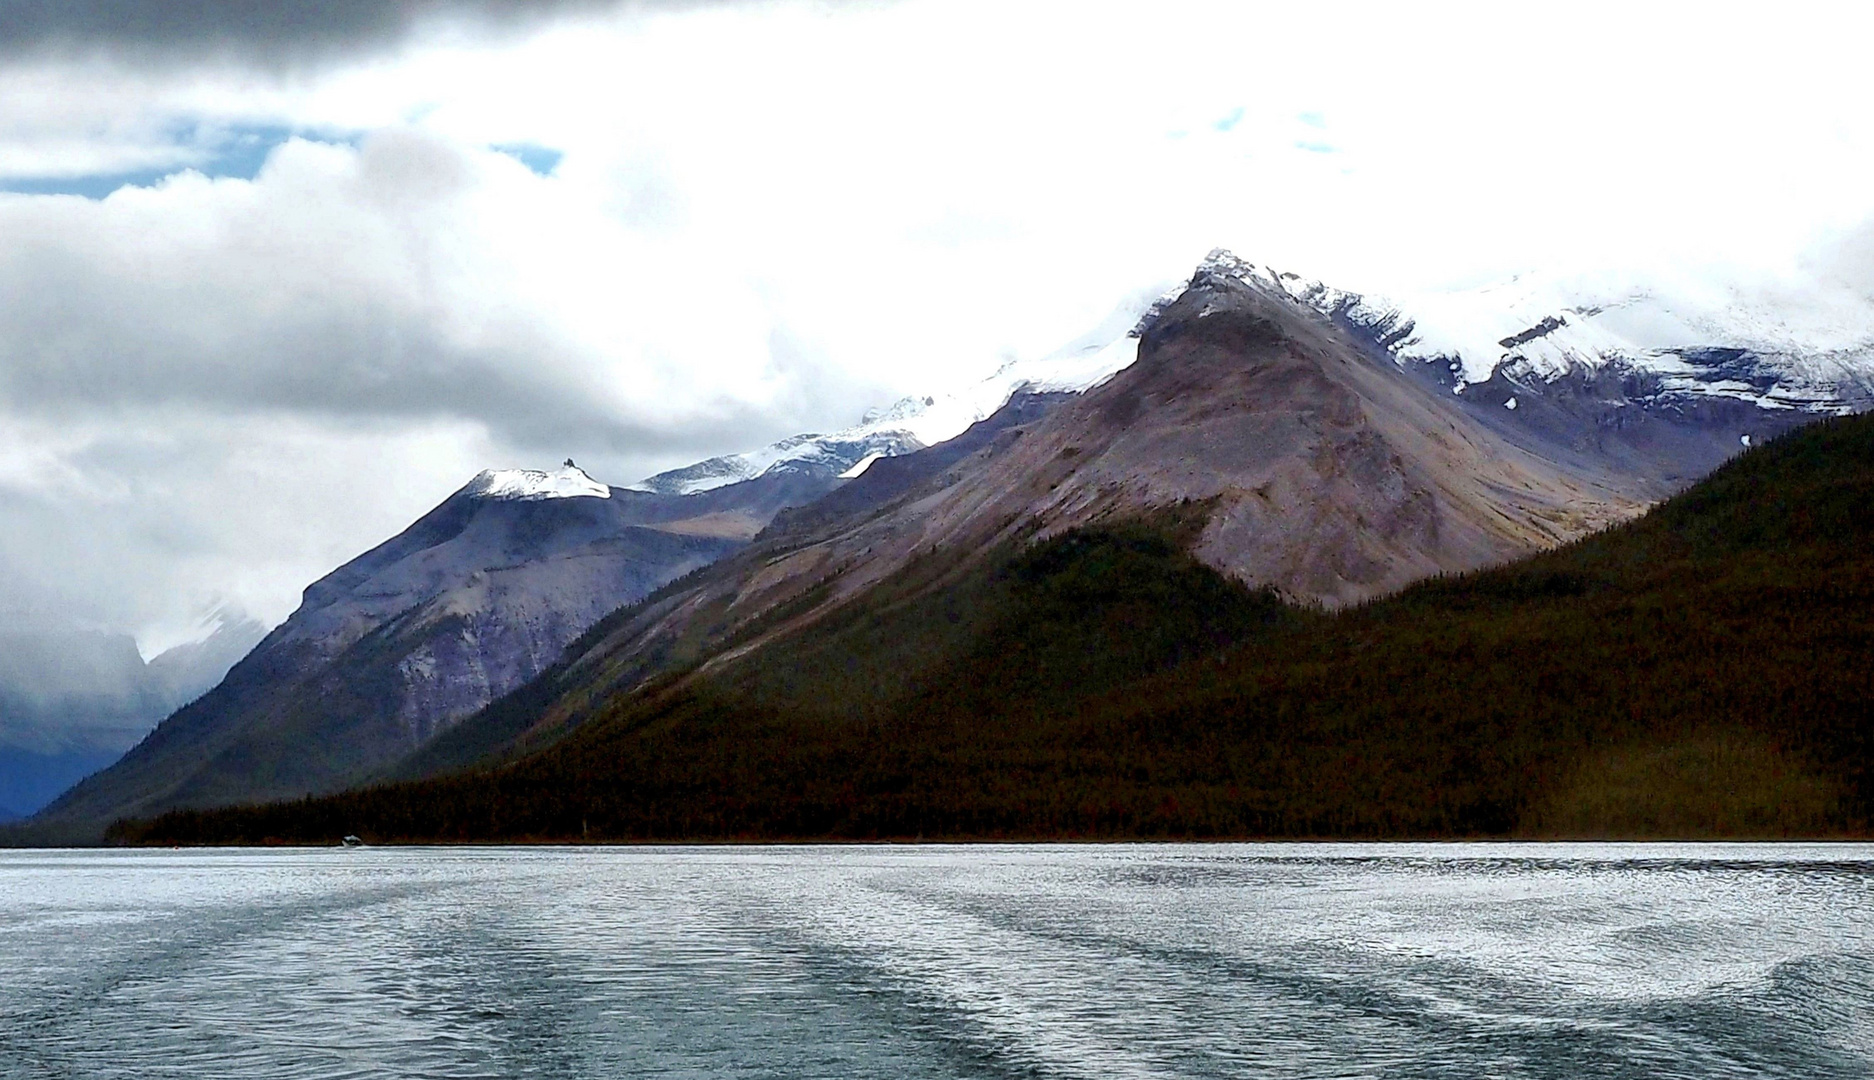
(1123, 961)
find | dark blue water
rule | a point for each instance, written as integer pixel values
(1113, 961)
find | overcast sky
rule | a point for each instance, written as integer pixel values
(275, 279)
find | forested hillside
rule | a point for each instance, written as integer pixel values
(1702, 671)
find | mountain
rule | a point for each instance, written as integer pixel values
(508, 722)
(1656, 384)
(472, 600)
(1315, 469)
(1294, 458)
(1306, 440)
(913, 423)
(1672, 345)
(187, 671)
(1698, 672)
(392, 649)
(73, 700)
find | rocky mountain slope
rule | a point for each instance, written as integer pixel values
(1318, 470)
(1700, 672)
(472, 600)
(1327, 445)
(1330, 451)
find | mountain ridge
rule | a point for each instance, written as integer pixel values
(1348, 456)
(471, 600)
(1697, 672)
(1315, 469)
(1292, 409)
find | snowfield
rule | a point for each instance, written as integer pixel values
(570, 482)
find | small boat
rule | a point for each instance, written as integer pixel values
(352, 841)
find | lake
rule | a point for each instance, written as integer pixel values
(1280, 960)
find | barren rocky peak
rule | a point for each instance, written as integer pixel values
(1329, 476)
(1321, 471)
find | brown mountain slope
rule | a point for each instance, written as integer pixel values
(1299, 462)
(1330, 477)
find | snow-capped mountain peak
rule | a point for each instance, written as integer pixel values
(912, 423)
(567, 482)
(1670, 343)
(1811, 353)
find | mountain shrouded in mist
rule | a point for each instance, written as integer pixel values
(72, 701)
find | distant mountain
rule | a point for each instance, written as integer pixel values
(1700, 672)
(913, 423)
(383, 653)
(72, 701)
(1294, 457)
(1325, 445)
(187, 671)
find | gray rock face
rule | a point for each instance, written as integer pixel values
(471, 601)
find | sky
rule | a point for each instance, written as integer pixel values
(276, 279)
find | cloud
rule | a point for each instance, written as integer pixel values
(1848, 260)
(265, 33)
(346, 275)
(139, 519)
(410, 277)
(217, 390)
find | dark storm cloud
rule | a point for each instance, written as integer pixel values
(259, 32)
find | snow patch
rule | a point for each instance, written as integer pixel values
(569, 482)
(1809, 351)
(915, 422)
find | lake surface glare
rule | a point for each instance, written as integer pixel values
(1396, 961)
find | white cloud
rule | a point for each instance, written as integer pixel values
(769, 216)
(141, 519)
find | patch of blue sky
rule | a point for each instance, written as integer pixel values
(1230, 121)
(1313, 119)
(1316, 147)
(221, 152)
(541, 159)
(96, 186)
